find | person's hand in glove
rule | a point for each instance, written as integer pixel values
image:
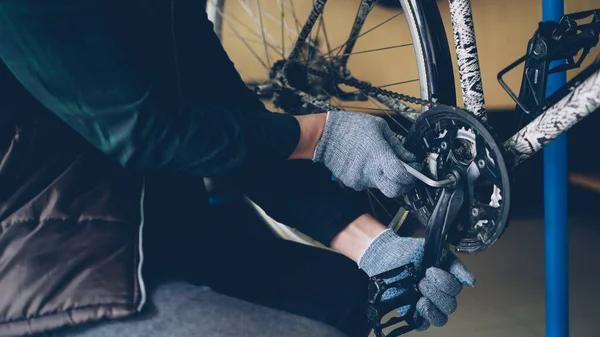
(363, 152)
(439, 287)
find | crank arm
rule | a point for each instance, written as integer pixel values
(440, 223)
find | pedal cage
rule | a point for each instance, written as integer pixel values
(377, 307)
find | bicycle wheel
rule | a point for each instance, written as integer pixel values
(259, 36)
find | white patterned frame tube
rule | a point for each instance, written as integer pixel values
(471, 85)
(580, 102)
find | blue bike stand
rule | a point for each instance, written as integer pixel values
(555, 209)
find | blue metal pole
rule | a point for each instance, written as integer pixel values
(555, 209)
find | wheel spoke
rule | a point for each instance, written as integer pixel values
(237, 20)
(371, 50)
(339, 48)
(361, 108)
(397, 106)
(287, 27)
(298, 24)
(296, 21)
(246, 6)
(348, 39)
(389, 85)
(371, 203)
(322, 19)
(388, 114)
(380, 204)
(262, 31)
(273, 48)
(247, 45)
(282, 28)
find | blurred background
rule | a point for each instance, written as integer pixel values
(509, 297)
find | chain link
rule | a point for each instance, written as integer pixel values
(370, 89)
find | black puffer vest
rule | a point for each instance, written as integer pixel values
(72, 223)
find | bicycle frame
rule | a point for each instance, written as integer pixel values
(576, 100)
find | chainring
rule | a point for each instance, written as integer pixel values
(448, 138)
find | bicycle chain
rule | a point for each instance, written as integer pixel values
(367, 87)
(364, 86)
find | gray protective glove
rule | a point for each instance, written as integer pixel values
(439, 287)
(363, 152)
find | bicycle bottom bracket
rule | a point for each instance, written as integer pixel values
(445, 139)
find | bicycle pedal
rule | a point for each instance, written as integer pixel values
(378, 308)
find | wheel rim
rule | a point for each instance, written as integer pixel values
(254, 37)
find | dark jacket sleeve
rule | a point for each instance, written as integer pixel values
(86, 65)
(200, 139)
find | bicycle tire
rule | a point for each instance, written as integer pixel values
(435, 71)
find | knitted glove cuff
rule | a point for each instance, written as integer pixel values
(383, 245)
(324, 141)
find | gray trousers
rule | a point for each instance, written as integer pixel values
(179, 309)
